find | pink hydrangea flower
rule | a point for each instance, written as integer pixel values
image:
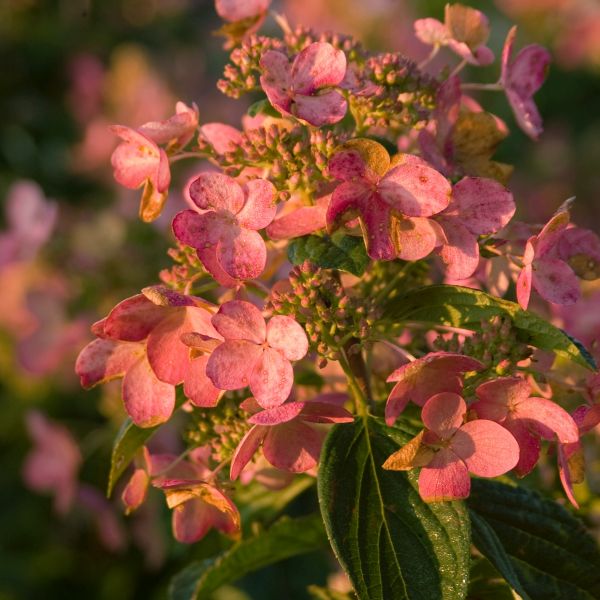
(256, 354)
(288, 440)
(53, 463)
(508, 401)
(580, 249)
(393, 200)
(478, 207)
(544, 270)
(451, 448)
(425, 377)
(138, 161)
(176, 131)
(238, 10)
(522, 76)
(465, 31)
(224, 230)
(299, 220)
(302, 88)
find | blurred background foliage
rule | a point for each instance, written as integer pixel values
(70, 68)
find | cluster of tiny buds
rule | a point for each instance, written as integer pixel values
(187, 267)
(301, 37)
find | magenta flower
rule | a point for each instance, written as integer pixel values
(465, 31)
(478, 207)
(544, 270)
(302, 88)
(288, 440)
(256, 354)
(425, 377)
(138, 161)
(177, 130)
(53, 463)
(225, 229)
(393, 200)
(508, 401)
(522, 76)
(451, 448)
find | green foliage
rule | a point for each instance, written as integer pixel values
(392, 544)
(537, 545)
(263, 107)
(338, 251)
(485, 583)
(286, 538)
(465, 307)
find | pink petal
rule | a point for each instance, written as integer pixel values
(507, 54)
(416, 237)
(199, 230)
(240, 320)
(208, 256)
(496, 397)
(318, 65)
(523, 285)
(487, 448)
(581, 249)
(529, 445)
(103, 360)
(161, 295)
(547, 419)
(277, 415)
(292, 447)
(136, 159)
(445, 478)
(239, 10)
(325, 412)
(347, 201)
(275, 80)
(134, 494)
(197, 387)
(526, 114)
(431, 32)
(230, 366)
(460, 254)
(148, 401)
(287, 335)
(415, 189)
(301, 221)
(483, 205)
(552, 232)
(178, 128)
(242, 253)
(246, 449)
(444, 413)
(271, 379)
(324, 109)
(216, 191)
(259, 208)
(528, 70)
(555, 281)
(191, 521)
(133, 319)
(564, 471)
(223, 138)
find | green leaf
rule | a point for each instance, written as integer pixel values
(485, 583)
(126, 445)
(286, 538)
(262, 107)
(465, 307)
(393, 545)
(338, 251)
(534, 540)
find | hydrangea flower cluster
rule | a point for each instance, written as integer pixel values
(373, 178)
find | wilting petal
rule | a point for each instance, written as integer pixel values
(272, 378)
(528, 70)
(197, 387)
(230, 366)
(148, 401)
(523, 285)
(416, 237)
(444, 413)
(445, 478)
(259, 209)
(466, 24)
(359, 158)
(240, 320)
(414, 188)
(488, 449)
(133, 319)
(347, 201)
(529, 445)
(570, 455)
(551, 233)
(413, 454)
(246, 449)
(242, 253)
(103, 360)
(460, 254)
(555, 281)
(134, 494)
(318, 65)
(292, 447)
(580, 248)
(431, 32)
(287, 335)
(527, 115)
(323, 109)
(325, 412)
(483, 205)
(548, 420)
(191, 521)
(215, 191)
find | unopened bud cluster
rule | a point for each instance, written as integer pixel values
(301, 37)
(187, 268)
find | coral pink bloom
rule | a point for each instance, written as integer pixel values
(421, 379)
(522, 76)
(392, 200)
(508, 401)
(225, 230)
(289, 442)
(544, 270)
(295, 222)
(138, 161)
(465, 31)
(256, 354)
(481, 447)
(53, 463)
(177, 130)
(301, 89)
(478, 207)
(238, 10)
(223, 138)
